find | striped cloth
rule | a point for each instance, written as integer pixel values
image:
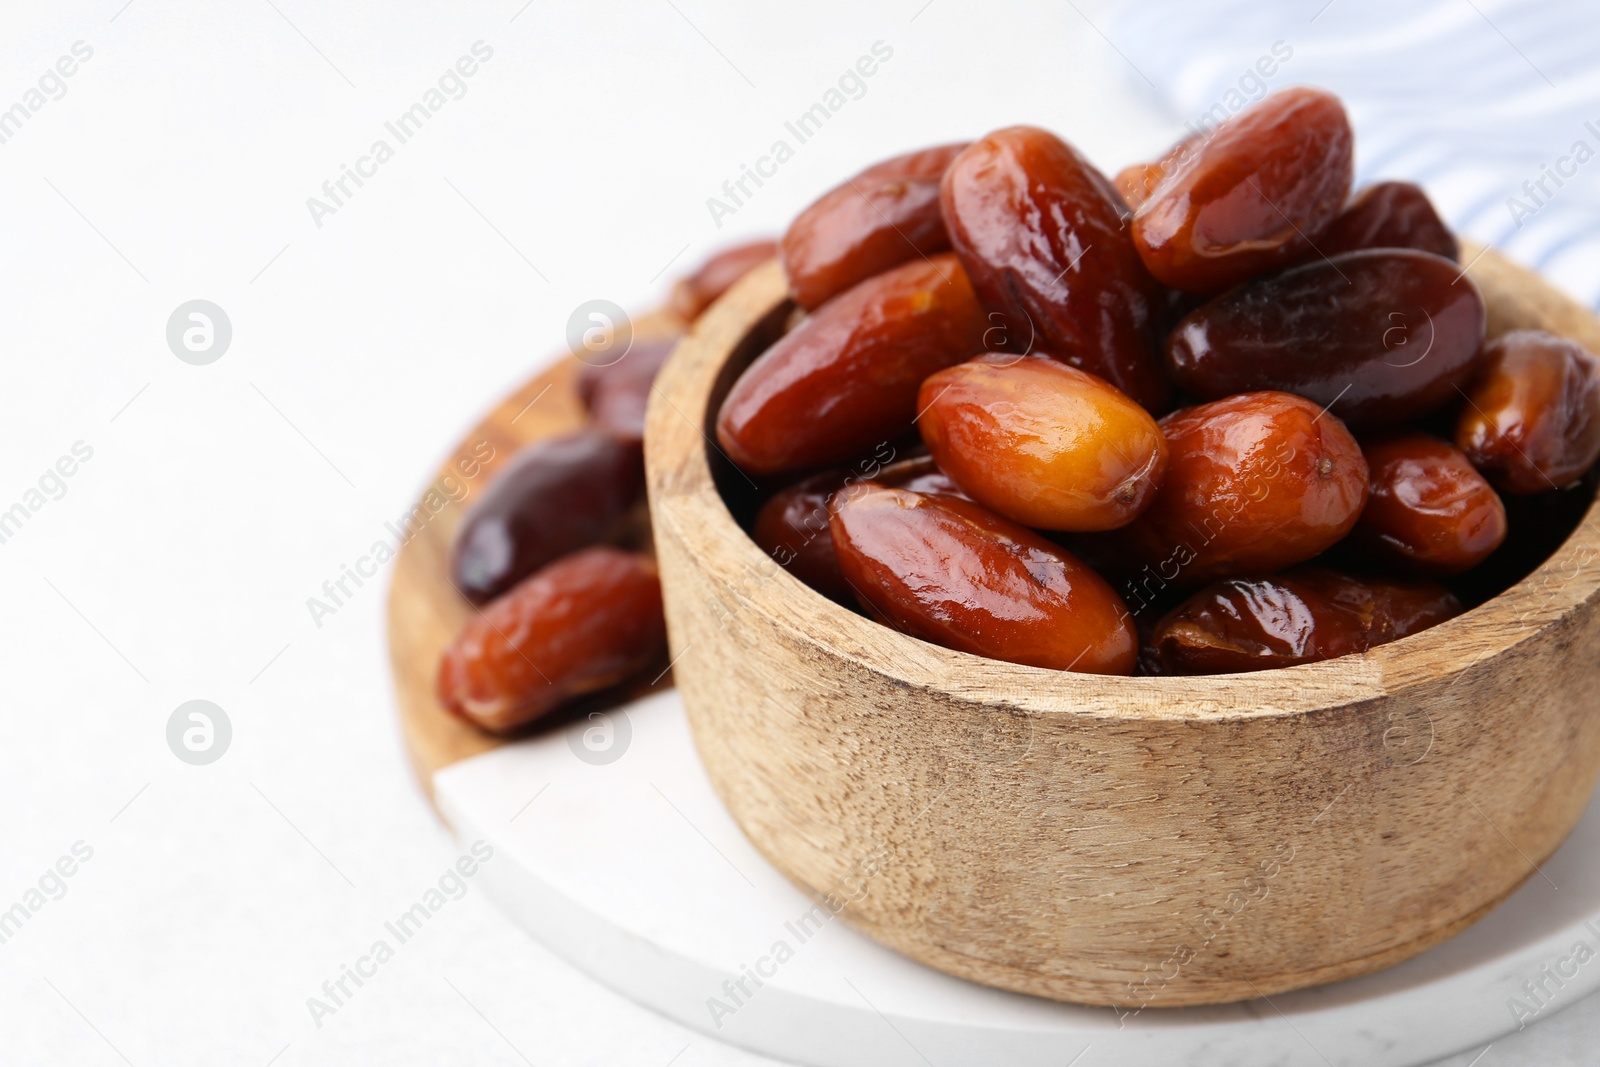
(1492, 105)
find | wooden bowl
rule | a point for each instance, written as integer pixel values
(1123, 841)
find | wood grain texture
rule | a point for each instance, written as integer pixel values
(425, 611)
(1125, 841)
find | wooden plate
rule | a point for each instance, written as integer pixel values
(425, 611)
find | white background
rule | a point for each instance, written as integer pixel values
(178, 563)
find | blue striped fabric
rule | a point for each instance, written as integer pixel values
(1494, 107)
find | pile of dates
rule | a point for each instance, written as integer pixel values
(1215, 415)
(556, 554)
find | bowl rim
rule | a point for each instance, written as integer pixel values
(684, 496)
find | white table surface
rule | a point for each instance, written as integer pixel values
(178, 561)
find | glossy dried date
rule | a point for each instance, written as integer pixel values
(1251, 197)
(1390, 215)
(1379, 337)
(618, 393)
(792, 528)
(581, 624)
(1532, 420)
(1254, 482)
(884, 216)
(1043, 235)
(955, 574)
(1305, 615)
(1137, 181)
(692, 295)
(1428, 509)
(845, 379)
(553, 497)
(1042, 443)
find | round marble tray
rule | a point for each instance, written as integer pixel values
(613, 850)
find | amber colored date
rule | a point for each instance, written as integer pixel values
(884, 216)
(1379, 337)
(1254, 482)
(1390, 215)
(846, 378)
(1042, 443)
(692, 295)
(581, 624)
(1044, 237)
(955, 574)
(618, 393)
(1137, 181)
(792, 528)
(1532, 420)
(1428, 509)
(1304, 615)
(1251, 197)
(553, 497)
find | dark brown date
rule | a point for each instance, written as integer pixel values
(553, 497)
(1379, 337)
(1044, 237)
(1428, 509)
(692, 295)
(884, 216)
(1254, 482)
(1251, 197)
(1532, 418)
(846, 378)
(581, 624)
(952, 573)
(1307, 614)
(618, 393)
(792, 528)
(920, 474)
(1390, 215)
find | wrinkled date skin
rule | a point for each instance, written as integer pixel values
(581, 624)
(1250, 198)
(692, 295)
(1255, 482)
(1307, 614)
(845, 379)
(553, 497)
(884, 216)
(955, 574)
(1532, 421)
(617, 394)
(1380, 337)
(1390, 215)
(1042, 443)
(1428, 508)
(792, 528)
(1043, 236)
